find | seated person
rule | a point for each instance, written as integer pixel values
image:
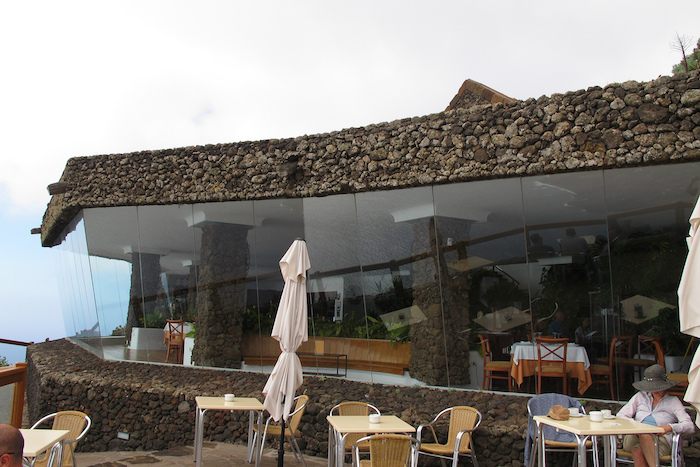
(584, 337)
(556, 327)
(654, 406)
(11, 446)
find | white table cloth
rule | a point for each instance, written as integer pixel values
(528, 351)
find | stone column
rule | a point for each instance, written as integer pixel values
(437, 344)
(145, 283)
(221, 295)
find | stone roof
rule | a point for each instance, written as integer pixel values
(620, 125)
(474, 93)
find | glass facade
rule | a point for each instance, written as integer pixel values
(592, 254)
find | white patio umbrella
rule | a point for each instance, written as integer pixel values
(689, 305)
(290, 329)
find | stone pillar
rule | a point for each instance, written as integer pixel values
(438, 345)
(145, 283)
(221, 296)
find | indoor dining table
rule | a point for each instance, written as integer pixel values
(38, 441)
(524, 356)
(339, 426)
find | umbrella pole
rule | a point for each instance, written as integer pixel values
(280, 453)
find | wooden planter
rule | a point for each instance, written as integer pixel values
(362, 354)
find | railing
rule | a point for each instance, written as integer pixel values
(11, 342)
(16, 375)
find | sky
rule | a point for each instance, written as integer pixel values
(82, 78)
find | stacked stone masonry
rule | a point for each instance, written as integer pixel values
(621, 125)
(155, 404)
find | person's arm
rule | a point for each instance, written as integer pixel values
(685, 423)
(629, 409)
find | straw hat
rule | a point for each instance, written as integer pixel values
(558, 412)
(654, 380)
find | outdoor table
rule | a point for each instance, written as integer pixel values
(251, 404)
(583, 428)
(38, 440)
(525, 360)
(339, 426)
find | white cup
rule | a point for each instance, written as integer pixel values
(607, 413)
(596, 416)
(229, 397)
(573, 411)
(374, 418)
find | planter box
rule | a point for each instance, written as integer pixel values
(187, 357)
(362, 354)
(146, 339)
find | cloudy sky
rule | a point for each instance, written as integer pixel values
(99, 77)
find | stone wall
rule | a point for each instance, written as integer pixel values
(221, 296)
(620, 125)
(155, 404)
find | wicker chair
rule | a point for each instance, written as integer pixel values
(291, 430)
(389, 450)
(555, 440)
(76, 422)
(354, 408)
(463, 421)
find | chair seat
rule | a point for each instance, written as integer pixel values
(443, 449)
(557, 369)
(499, 365)
(597, 368)
(622, 453)
(276, 430)
(640, 362)
(559, 444)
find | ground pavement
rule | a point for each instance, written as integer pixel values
(213, 455)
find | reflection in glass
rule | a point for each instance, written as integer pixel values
(648, 212)
(484, 285)
(77, 294)
(398, 252)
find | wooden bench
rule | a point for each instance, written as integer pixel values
(326, 352)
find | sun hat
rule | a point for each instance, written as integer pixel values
(558, 412)
(654, 380)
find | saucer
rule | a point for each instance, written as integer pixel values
(609, 417)
(577, 415)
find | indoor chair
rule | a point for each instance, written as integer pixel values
(463, 421)
(603, 373)
(494, 369)
(176, 339)
(77, 423)
(387, 450)
(551, 361)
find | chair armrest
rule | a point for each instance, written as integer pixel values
(419, 431)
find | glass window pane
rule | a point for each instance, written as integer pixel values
(225, 265)
(337, 321)
(565, 220)
(649, 208)
(484, 285)
(400, 275)
(76, 288)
